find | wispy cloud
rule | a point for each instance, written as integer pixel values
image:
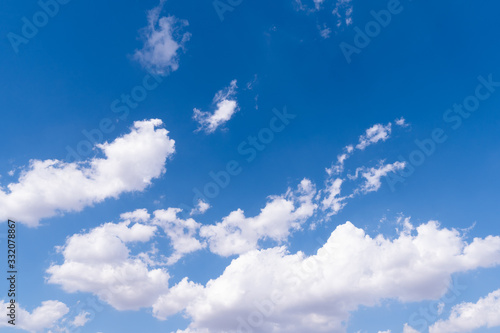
(332, 201)
(81, 319)
(376, 133)
(226, 106)
(325, 31)
(402, 122)
(373, 135)
(341, 11)
(163, 40)
(373, 176)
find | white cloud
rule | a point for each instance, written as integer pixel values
(226, 105)
(139, 215)
(373, 135)
(373, 176)
(402, 122)
(237, 234)
(330, 198)
(342, 9)
(467, 317)
(325, 32)
(200, 208)
(81, 319)
(333, 202)
(290, 292)
(273, 291)
(100, 262)
(343, 12)
(339, 167)
(52, 187)
(177, 299)
(408, 329)
(162, 42)
(317, 3)
(300, 5)
(44, 317)
(182, 233)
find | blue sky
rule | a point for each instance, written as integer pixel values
(361, 187)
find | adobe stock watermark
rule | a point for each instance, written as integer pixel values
(89, 308)
(31, 26)
(454, 117)
(426, 315)
(249, 149)
(372, 29)
(120, 106)
(223, 6)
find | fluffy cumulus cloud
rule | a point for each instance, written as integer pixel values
(266, 288)
(44, 317)
(51, 187)
(226, 106)
(163, 40)
(467, 317)
(100, 262)
(237, 234)
(272, 290)
(177, 299)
